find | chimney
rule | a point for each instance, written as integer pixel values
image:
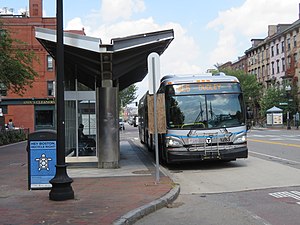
(272, 29)
(36, 8)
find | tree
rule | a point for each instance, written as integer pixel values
(16, 72)
(251, 88)
(272, 97)
(128, 95)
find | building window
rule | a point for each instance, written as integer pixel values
(282, 47)
(277, 49)
(272, 67)
(4, 109)
(3, 90)
(44, 118)
(288, 44)
(51, 88)
(49, 63)
(295, 57)
(277, 65)
(295, 41)
(272, 51)
(283, 64)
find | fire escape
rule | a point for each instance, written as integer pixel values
(290, 73)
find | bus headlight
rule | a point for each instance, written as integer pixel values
(240, 139)
(173, 142)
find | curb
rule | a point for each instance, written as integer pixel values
(136, 214)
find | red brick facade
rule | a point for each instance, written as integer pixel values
(32, 110)
(22, 108)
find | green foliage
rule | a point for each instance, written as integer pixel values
(12, 136)
(128, 95)
(16, 60)
(272, 97)
(251, 88)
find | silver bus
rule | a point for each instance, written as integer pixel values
(205, 119)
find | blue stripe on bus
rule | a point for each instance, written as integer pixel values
(222, 135)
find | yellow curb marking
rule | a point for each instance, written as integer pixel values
(274, 143)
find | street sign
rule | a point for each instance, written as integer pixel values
(154, 80)
(283, 103)
(153, 72)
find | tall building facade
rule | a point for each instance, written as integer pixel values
(274, 60)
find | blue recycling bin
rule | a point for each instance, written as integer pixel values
(41, 149)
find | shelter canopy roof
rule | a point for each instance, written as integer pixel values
(91, 60)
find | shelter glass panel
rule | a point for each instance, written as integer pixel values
(80, 107)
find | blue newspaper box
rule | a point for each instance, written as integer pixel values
(41, 159)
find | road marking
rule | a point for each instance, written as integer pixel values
(271, 156)
(274, 143)
(287, 194)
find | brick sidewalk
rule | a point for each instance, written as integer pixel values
(97, 200)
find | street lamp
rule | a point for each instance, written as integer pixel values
(61, 183)
(288, 89)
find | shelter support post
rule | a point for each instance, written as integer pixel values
(108, 127)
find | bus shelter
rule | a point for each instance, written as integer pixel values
(94, 75)
(274, 116)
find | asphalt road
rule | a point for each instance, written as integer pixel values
(263, 189)
(278, 145)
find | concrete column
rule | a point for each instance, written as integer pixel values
(108, 127)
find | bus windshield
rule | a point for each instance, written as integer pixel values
(205, 111)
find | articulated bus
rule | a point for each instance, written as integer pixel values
(205, 119)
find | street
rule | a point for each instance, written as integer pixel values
(263, 189)
(276, 145)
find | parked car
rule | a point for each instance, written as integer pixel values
(121, 124)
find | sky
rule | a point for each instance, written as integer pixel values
(207, 33)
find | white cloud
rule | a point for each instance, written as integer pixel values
(181, 57)
(237, 26)
(75, 24)
(120, 9)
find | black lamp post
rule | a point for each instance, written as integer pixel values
(288, 89)
(61, 183)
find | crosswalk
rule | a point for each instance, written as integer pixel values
(275, 137)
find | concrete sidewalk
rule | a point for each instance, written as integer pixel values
(102, 196)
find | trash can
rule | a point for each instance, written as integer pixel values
(41, 149)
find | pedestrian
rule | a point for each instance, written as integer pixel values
(297, 120)
(10, 125)
(82, 138)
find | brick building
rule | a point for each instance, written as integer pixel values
(36, 108)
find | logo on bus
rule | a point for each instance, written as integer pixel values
(208, 140)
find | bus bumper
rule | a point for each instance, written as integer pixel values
(174, 156)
